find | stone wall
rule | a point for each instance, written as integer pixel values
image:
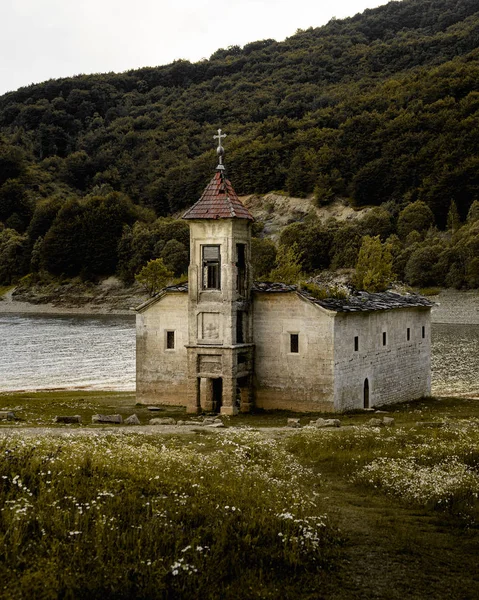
(396, 372)
(456, 307)
(301, 381)
(161, 373)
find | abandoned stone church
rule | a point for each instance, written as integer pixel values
(224, 343)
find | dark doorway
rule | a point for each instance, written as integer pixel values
(366, 393)
(217, 394)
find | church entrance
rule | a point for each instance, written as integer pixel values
(366, 393)
(217, 394)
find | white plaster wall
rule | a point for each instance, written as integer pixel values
(397, 372)
(161, 374)
(302, 381)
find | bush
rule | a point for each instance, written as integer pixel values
(415, 217)
(154, 276)
(374, 267)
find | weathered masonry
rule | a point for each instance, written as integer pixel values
(223, 343)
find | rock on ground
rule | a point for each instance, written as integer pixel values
(107, 419)
(163, 421)
(132, 420)
(68, 419)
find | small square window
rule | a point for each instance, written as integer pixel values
(356, 343)
(294, 343)
(423, 332)
(384, 338)
(170, 340)
(408, 334)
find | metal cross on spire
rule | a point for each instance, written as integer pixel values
(220, 151)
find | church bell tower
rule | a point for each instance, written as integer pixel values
(220, 326)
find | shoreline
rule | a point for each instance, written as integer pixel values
(452, 307)
(26, 308)
(115, 306)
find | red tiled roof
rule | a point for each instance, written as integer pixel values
(219, 201)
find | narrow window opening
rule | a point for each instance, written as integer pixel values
(356, 343)
(170, 340)
(241, 268)
(423, 332)
(211, 267)
(294, 343)
(239, 327)
(366, 394)
(384, 338)
(408, 334)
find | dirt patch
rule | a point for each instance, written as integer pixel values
(277, 211)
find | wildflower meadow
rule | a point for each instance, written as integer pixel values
(243, 513)
(147, 517)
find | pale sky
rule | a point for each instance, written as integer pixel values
(46, 39)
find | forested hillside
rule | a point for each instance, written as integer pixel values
(381, 108)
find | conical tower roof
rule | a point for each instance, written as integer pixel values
(219, 201)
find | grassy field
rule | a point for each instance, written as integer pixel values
(354, 512)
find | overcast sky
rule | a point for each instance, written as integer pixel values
(45, 39)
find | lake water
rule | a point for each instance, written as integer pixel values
(74, 352)
(98, 352)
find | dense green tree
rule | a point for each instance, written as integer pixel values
(175, 256)
(473, 214)
(16, 199)
(346, 242)
(13, 255)
(12, 162)
(453, 219)
(417, 216)
(263, 257)
(374, 269)
(288, 265)
(377, 221)
(102, 222)
(313, 242)
(421, 268)
(43, 216)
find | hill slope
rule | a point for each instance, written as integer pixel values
(380, 107)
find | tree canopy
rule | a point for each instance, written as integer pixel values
(381, 108)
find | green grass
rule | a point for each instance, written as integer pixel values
(347, 513)
(40, 408)
(135, 516)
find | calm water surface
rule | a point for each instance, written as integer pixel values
(74, 352)
(77, 352)
(455, 359)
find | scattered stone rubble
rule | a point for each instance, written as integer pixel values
(68, 419)
(384, 422)
(163, 421)
(7, 415)
(116, 419)
(132, 420)
(320, 423)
